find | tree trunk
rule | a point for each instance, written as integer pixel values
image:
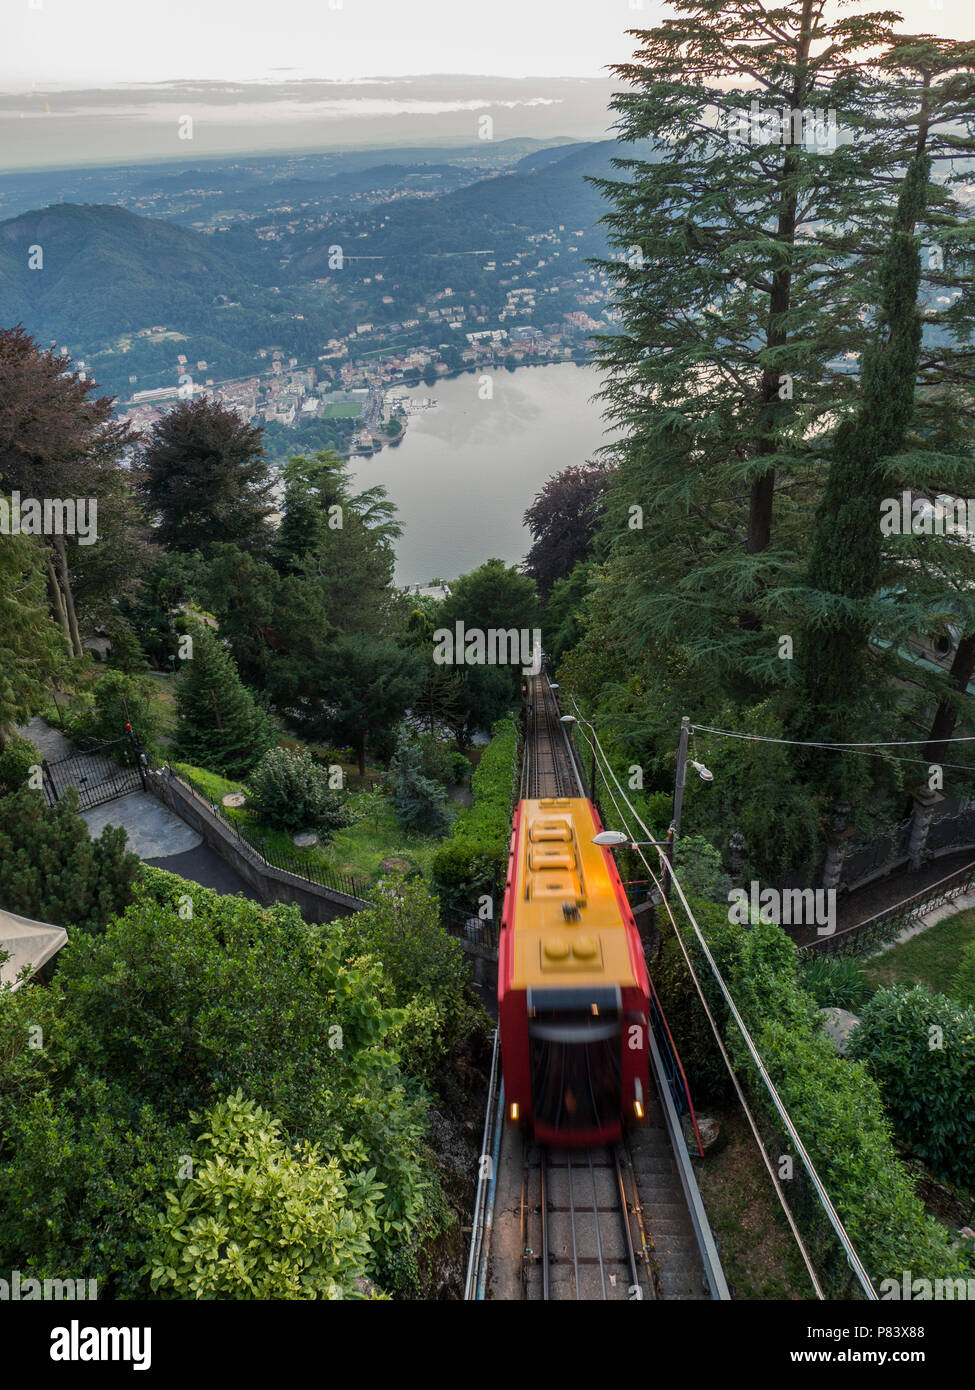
(361, 750)
(56, 601)
(946, 715)
(62, 568)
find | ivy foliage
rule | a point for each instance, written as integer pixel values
(920, 1049)
(472, 862)
(835, 1103)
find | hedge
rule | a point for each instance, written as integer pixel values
(473, 860)
(835, 1104)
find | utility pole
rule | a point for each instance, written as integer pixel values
(680, 777)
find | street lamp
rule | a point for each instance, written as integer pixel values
(613, 838)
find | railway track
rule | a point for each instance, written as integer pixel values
(549, 767)
(582, 1226)
(615, 1223)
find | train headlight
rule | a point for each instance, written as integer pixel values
(514, 1110)
(638, 1109)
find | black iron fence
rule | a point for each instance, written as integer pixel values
(101, 773)
(853, 941)
(312, 870)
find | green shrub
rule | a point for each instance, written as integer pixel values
(119, 699)
(473, 861)
(920, 1049)
(834, 981)
(834, 1102)
(18, 757)
(441, 763)
(424, 968)
(290, 791)
(963, 985)
(53, 871)
(261, 1217)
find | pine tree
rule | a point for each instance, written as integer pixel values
(202, 478)
(420, 802)
(220, 725)
(53, 871)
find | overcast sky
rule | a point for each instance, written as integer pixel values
(95, 42)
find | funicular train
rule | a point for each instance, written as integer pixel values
(573, 991)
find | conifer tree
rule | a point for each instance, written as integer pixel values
(220, 726)
(30, 652)
(53, 871)
(420, 802)
(202, 478)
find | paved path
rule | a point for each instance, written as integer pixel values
(156, 834)
(154, 831)
(202, 865)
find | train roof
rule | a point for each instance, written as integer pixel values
(570, 924)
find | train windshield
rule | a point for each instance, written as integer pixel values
(575, 1042)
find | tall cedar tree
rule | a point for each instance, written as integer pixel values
(845, 568)
(202, 478)
(563, 520)
(917, 407)
(339, 539)
(58, 439)
(739, 294)
(220, 725)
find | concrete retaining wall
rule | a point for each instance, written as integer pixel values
(271, 885)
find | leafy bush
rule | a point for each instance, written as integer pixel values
(262, 1218)
(473, 860)
(963, 985)
(834, 1102)
(920, 1049)
(425, 971)
(834, 981)
(441, 763)
(290, 791)
(184, 1000)
(19, 755)
(420, 803)
(119, 699)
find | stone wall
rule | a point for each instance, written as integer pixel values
(271, 885)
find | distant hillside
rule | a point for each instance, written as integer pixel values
(494, 212)
(107, 271)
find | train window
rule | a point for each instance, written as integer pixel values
(575, 1068)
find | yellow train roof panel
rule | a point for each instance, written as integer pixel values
(565, 920)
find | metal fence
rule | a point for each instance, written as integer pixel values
(102, 773)
(853, 941)
(312, 871)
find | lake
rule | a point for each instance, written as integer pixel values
(467, 470)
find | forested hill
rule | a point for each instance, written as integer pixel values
(106, 271)
(495, 214)
(110, 275)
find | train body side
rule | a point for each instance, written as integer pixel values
(573, 993)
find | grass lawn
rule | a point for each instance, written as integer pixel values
(357, 850)
(931, 959)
